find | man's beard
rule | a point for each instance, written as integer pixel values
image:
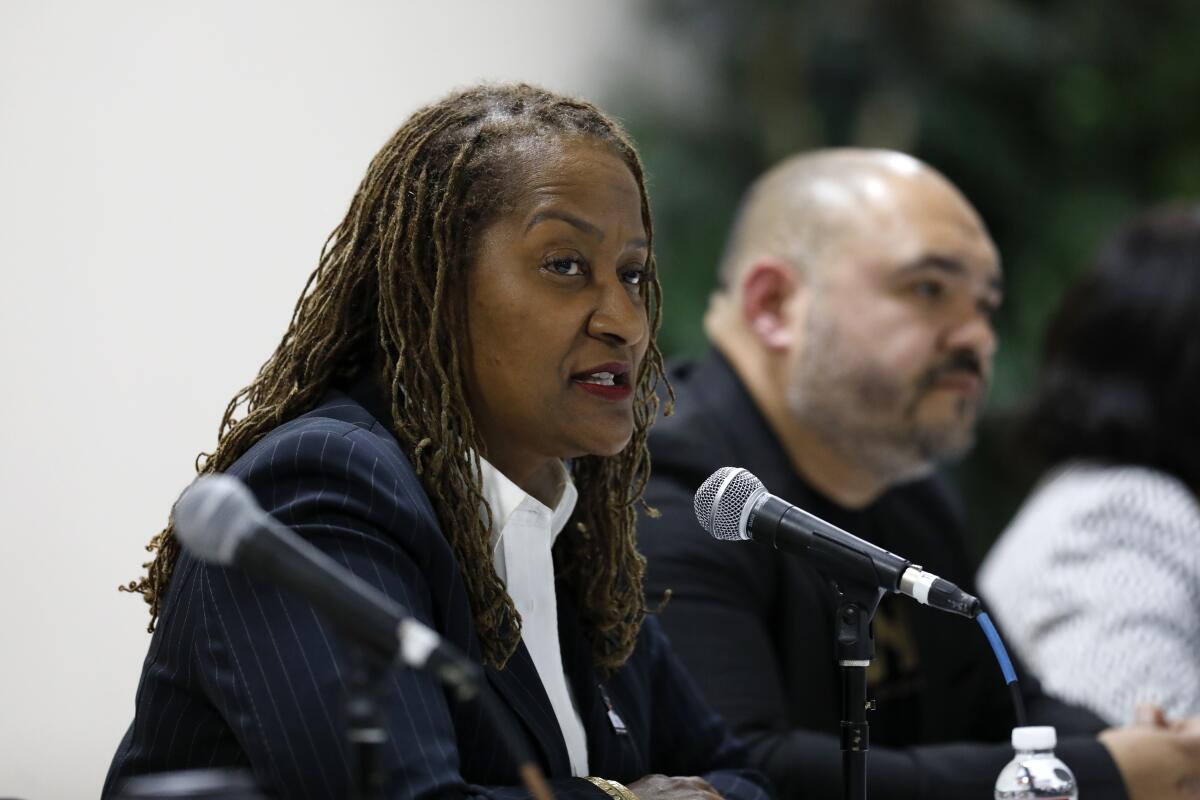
(870, 415)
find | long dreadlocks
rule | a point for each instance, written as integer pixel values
(389, 294)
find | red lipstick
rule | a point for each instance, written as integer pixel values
(609, 381)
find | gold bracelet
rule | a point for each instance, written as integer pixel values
(617, 791)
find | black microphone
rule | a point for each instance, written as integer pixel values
(733, 504)
(218, 520)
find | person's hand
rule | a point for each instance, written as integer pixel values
(1148, 715)
(663, 787)
(1157, 763)
(1190, 725)
(1154, 717)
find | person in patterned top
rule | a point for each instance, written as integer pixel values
(1097, 578)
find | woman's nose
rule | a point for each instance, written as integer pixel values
(619, 316)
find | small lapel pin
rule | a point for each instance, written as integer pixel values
(614, 719)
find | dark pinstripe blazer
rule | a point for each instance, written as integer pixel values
(242, 674)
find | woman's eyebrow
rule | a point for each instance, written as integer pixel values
(577, 222)
(582, 224)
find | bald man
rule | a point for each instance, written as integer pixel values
(852, 346)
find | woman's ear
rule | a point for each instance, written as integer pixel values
(770, 291)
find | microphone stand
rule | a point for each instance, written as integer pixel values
(855, 648)
(365, 731)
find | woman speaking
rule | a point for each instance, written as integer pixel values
(457, 413)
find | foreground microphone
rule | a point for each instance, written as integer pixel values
(733, 504)
(219, 521)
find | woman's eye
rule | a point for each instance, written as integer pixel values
(565, 266)
(634, 277)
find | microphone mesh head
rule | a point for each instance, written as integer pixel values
(213, 516)
(722, 498)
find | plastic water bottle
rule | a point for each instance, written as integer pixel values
(1036, 771)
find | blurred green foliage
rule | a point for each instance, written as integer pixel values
(1055, 118)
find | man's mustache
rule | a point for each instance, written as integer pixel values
(959, 361)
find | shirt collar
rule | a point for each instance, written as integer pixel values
(504, 498)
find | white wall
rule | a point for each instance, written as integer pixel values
(168, 172)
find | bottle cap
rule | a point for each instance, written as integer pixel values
(1034, 737)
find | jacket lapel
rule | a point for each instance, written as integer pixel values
(519, 685)
(610, 754)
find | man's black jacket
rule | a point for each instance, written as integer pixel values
(755, 626)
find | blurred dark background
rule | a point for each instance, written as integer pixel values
(1055, 119)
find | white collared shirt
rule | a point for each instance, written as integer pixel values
(523, 533)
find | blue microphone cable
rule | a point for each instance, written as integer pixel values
(1010, 675)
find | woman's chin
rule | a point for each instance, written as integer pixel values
(606, 446)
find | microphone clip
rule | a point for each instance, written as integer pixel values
(856, 606)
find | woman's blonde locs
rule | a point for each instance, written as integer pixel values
(389, 294)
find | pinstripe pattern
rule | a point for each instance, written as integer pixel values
(239, 673)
